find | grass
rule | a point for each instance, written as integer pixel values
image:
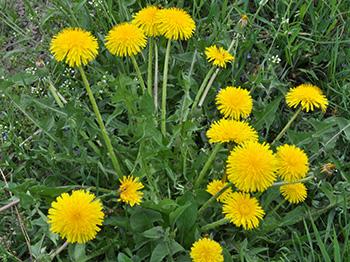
(47, 149)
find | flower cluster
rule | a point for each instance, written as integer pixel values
(253, 166)
(78, 47)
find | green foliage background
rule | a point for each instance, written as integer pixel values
(312, 40)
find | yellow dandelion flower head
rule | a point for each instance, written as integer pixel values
(146, 20)
(234, 102)
(129, 190)
(251, 166)
(74, 46)
(125, 39)
(175, 23)
(243, 210)
(206, 250)
(215, 186)
(294, 193)
(76, 217)
(292, 163)
(218, 55)
(308, 96)
(226, 130)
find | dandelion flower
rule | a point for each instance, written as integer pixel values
(125, 39)
(292, 163)
(243, 210)
(206, 250)
(218, 55)
(74, 46)
(129, 190)
(294, 193)
(146, 20)
(308, 96)
(251, 167)
(234, 102)
(175, 23)
(226, 130)
(76, 217)
(215, 186)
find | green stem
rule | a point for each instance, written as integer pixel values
(150, 63)
(53, 91)
(278, 137)
(212, 198)
(59, 250)
(139, 75)
(155, 88)
(105, 136)
(277, 207)
(201, 88)
(215, 224)
(207, 164)
(282, 183)
(210, 83)
(164, 88)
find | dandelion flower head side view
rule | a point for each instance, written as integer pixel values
(234, 102)
(74, 46)
(146, 19)
(308, 96)
(175, 24)
(76, 217)
(227, 130)
(294, 193)
(125, 39)
(206, 250)
(251, 167)
(243, 210)
(218, 56)
(292, 163)
(129, 190)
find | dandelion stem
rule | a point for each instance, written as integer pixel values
(53, 91)
(278, 137)
(215, 224)
(150, 63)
(213, 198)
(105, 136)
(11, 204)
(274, 210)
(210, 83)
(164, 88)
(201, 88)
(59, 250)
(282, 183)
(155, 88)
(207, 164)
(139, 75)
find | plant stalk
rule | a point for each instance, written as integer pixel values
(201, 88)
(213, 198)
(215, 224)
(105, 136)
(282, 183)
(207, 164)
(278, 137)
(139, 75)
(210, 83)
(150, 63)
(155, 88)
(164, 88)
